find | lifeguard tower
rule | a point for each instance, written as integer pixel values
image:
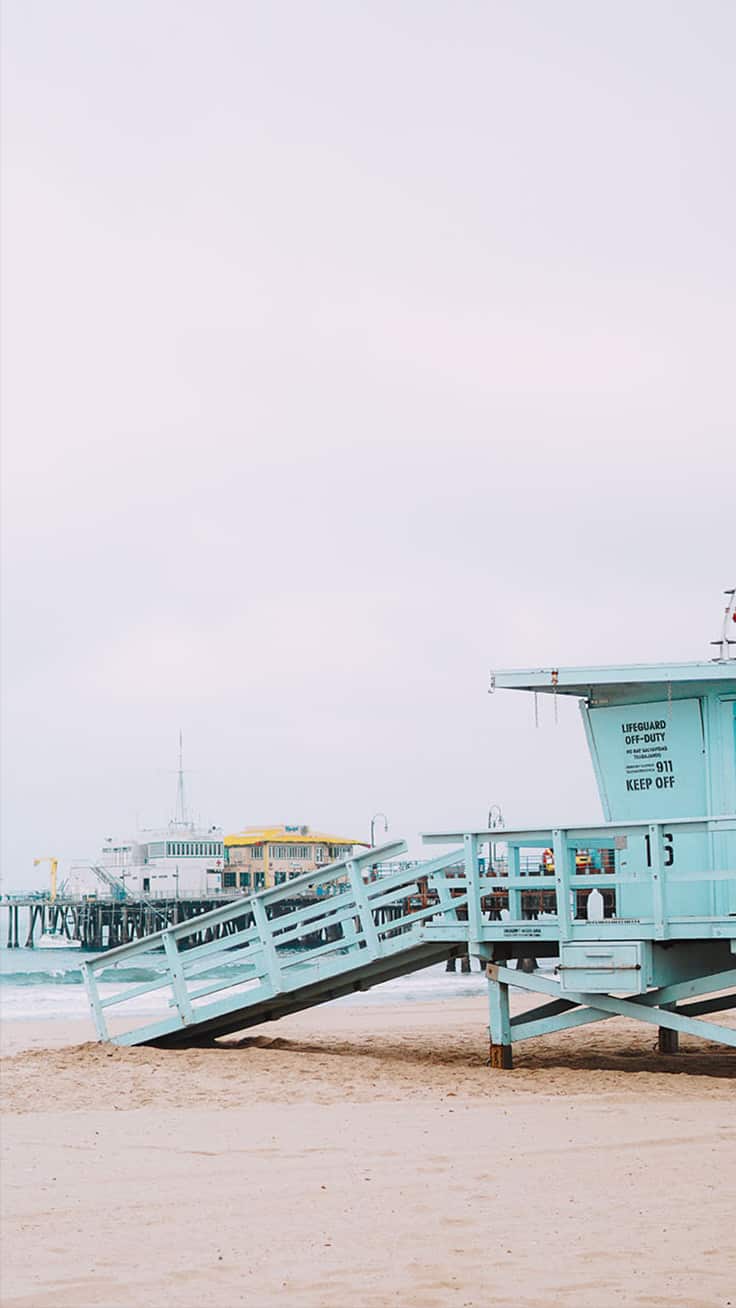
(662, 740)
(640, 910)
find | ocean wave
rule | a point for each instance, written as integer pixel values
(60, 977)
(73, 976)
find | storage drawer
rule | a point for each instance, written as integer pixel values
(607, 965)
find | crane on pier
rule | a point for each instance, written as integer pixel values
(54, 865)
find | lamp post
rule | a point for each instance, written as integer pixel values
(495, 820)
(374, 820)
(377, 817)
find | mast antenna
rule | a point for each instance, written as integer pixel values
(181, 803)
(727, 643)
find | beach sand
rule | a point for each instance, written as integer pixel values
(364, 1155)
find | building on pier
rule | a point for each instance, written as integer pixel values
(178, 860)
(181, 859)
(260, 857)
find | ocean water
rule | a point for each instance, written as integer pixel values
(42, 983)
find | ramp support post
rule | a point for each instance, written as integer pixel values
(499, 1020)
(362, 903)
(668, 1041)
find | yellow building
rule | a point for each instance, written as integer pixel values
(259, 857)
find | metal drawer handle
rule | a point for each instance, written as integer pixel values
(612, 967)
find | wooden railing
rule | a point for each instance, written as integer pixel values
(673, 879)
(667, 880)
(258, 947)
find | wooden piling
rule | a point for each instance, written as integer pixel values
(668, 1041)
(501, 1057)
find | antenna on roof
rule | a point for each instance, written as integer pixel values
(727, 643)
(180, 817)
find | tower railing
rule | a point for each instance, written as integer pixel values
(670, 879)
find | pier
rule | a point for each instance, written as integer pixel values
(108, 923)
(102, 922)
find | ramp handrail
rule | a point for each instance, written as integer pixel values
(235, 908)
(260, 952)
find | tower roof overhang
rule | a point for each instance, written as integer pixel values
(625, 682)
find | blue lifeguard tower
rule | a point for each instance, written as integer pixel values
(662, 740)
(639, 910)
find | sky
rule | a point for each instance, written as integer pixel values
(351, 350)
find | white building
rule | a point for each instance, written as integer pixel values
(179, 861)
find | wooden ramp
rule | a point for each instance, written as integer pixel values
(255, 959)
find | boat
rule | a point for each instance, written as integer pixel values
(56, 940)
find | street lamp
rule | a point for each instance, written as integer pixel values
(377, 817)
(495, 817)
(374, 820)
(495, 820)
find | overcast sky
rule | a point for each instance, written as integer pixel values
(350, 350)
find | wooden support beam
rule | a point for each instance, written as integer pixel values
(178, 980)
(499, 1026)
(31, 926)
(362, 903)
(717, 1004)
(655, 1008)
(668, 1041)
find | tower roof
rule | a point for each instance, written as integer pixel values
(624, 681)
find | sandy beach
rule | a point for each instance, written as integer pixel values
(366, 1155)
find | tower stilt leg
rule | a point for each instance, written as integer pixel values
(668, 1041)
(499, 1021)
